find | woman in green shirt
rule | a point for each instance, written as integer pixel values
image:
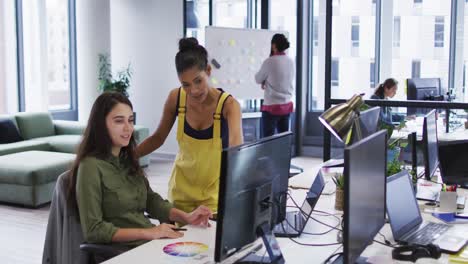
(109, 186)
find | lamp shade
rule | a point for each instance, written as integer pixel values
(339, 118)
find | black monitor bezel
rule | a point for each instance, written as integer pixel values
(347, 200)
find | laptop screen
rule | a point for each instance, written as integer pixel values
(402, 207)
(312, 196)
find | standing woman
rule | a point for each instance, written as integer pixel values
(276, 77)
(209, 120)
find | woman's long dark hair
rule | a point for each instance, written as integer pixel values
(97, 142)
(380, 90)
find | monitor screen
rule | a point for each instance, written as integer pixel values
(402, 207)
(453, 158)
(430, 146)
(422, 89)
(368, 122)
(365, 186)
(253, 180)
(312, 196)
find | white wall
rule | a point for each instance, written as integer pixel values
(92, 38)
(146, 34)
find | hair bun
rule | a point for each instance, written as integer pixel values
(188, 44)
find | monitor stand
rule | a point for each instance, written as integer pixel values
(273, 253)
(359, 260)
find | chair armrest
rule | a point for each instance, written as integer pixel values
(63, 127)
(104, 251)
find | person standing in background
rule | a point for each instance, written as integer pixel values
(276, 77)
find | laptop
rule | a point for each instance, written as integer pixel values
(406, 222)
(295, 221)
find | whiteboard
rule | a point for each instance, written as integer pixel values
(240, 53)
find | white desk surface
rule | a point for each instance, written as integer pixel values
(152, 252)
(460, 133)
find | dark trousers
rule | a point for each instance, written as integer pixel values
(274, 123)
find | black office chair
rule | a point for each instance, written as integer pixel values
(64, 242)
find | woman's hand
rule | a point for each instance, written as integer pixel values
(199, 216)
(162, 231)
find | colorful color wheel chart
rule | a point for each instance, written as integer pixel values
(185, 249)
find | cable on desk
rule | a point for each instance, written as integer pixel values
(387, 242)
(318, 221)
(310, 244)
(328, 260)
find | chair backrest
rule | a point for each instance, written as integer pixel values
(64, 234)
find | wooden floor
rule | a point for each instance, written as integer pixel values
(22, 231)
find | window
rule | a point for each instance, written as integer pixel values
(197, 18)
(315, 32)
(417, 54)
(396, 31)
(416, 69)
(439, 31)
(355, 31)
(8, 62)
(230, 13)
(353, 46)
(372, 74)
(283, 15)
(335, 72)
(46, 55)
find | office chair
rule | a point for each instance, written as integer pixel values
(64, 242)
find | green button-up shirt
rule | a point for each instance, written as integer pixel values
(109, 198)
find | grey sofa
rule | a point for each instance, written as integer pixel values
(29, 168)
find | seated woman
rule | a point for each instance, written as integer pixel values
(110, 188)
(387, 90)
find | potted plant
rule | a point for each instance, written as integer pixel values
(338, 179)
(106, 80)
(108, 83)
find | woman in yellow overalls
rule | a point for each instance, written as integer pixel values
(209, 120)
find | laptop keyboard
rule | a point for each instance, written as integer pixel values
(427, 234)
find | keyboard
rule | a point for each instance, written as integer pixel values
(427, 234)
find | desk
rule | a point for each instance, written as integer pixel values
(151, 252)
(459, 135)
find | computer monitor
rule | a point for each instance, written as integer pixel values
(423, 89)
(368, 122)
(453, 158)
(254, 178)
(430, 146)
(364, 195)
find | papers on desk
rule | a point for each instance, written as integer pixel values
(461, 257)
(428, 191)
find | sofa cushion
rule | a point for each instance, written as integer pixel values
(34, 125)
(26, 145)
(63, 143)
(63, 127)
(10, 133)
(33, 167)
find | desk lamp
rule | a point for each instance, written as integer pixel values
(339, 119)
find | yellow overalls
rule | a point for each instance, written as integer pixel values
(195, 175)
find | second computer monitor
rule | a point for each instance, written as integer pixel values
(368, 122)
(365, 189)
(252, 191)
(422, 89)
(430, 145)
